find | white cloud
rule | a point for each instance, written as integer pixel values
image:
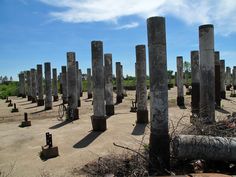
(222, 13)
(128, 26)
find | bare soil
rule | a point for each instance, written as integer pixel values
(78, 145)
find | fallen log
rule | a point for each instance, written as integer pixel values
(204, 147)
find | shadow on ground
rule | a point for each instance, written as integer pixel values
(87, 140)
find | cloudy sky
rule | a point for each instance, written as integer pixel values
(38, 31)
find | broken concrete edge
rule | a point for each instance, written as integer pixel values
(142, 117)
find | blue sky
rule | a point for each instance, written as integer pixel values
(36, 31)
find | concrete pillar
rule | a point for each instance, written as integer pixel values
(54, 80)
(234, 77)
(176, 79)
(33, 85)
(136, 89)
(98, 119)
(89, 83)
(207, 74)
(48, 86)
(222, 79)
(142, 112)
(78, 83)
(60, 83)
(29, 89)
(119, 95)
(195, 82)
(40, 101)
(228, 78)
(180, 80)
(73, 111)
(22, 85)
(217, 79)
(159, 152)
(64, 85)
(108, 85)
(122, 82)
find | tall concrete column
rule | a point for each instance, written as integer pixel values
(217, 79)
(89, 83)
(195, 82)
(180, 80)
(98, 119)
(78, 83)
(142, 112)
(234, 77)
(29, 89)
(54, 80)
(22, 85)
(33, 86)
(73, 111)
(48, 86)
(228, 78)
(119, 95)
(108, 85)
(122, 82)
(222, 79)
(207, 74)
(64, 85)
(159, 152)
(40, 101)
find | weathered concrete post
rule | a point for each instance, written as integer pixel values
(108, 85)
(98, 119)
(234, 78)
(222, 79)
(180, 85)
(64, 85)
(33, 85)
(119, 95)
(73, 111)
(217, 79)
(78, 83)
(228, 78)
(48, 86)
(142, 112)
(195, 82)
(207, 74)
(22, 85)
(29, 89)
(122, 83)
(159, 152)
(40, 101)
(55, 89)
(89, 83)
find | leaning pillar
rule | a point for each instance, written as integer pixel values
(217, 79)
(180, 86)
(48, 86)
(159, 149)
(29, 89)
(98, 118)
(78, 83)
(222, 79)
(119, 95)
(228, 78)
(142, 112)
(207, 74)
(55, 89)
(33, 85)
(108, 85)
(64, 85)
(195, 82)
(40, 100)
(89, 83)
(73, 111)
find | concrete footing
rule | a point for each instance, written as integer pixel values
(223, 94)
(34, 100)
(25, 124)
(228, 87)
(29, 98)
(142, 116)
(119, 99)
(79, 103)
(55, 98)
(98, 123)
(180, 101)
(110, 110)
(90, 95)
(49, 152)
(73, 114)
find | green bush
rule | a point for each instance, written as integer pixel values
(8, 89)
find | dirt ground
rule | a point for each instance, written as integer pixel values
(78, 145)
